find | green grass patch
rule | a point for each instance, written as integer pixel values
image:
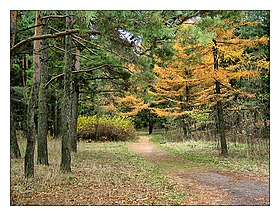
(207, 153)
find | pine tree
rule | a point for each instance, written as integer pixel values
(42, 149)
(32, 102)
(14, 147)
(65, 164)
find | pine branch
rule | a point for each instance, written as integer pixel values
(55, 35)
(62, 50)
(31, 27)
(103, 48)
(84, 71)
(77, 41)
(55, 16)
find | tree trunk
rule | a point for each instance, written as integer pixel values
(187, 119)
(56, 119)
(24, 66)
(151, 127)
(150, 122)
(221, 123)
(65, 165)
(32, 102)
(14, 148)
(184, 106)
(75, 100)
(186, 127)
(13, 22)
(219, 106)
(74, 107)
(42, 149)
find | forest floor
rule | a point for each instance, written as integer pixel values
(125, 173)
(204, 185)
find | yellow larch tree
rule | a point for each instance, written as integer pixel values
(200, 75)
(176, 84)
(227, 60)
(133, 101)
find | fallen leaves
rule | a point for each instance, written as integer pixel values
(103, 174)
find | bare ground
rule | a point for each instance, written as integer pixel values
(203, 185)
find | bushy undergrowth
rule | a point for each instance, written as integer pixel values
(104, 128)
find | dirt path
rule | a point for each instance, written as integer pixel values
(202, 185)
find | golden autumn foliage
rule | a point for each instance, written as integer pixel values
(187, 81)
(133, 103)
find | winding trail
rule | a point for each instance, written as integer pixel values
(202, 185)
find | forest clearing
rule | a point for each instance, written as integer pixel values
(141, 107)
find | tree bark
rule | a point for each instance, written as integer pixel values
(75, 102)
(65, 165)
(219, 106)
(14, 147)
(42, 149)
(32, 102)
(56, 118)
(13, 22)
(221, 122)
(74, 107)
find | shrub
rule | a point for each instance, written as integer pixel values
(104, 128)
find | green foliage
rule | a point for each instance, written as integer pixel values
(104, 128)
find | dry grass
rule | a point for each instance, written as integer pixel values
(102, 174)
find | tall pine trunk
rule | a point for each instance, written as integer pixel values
(219, 105)
(57, 121)
(74, 105)
(74, 119)
(42, 149)
(14, 147)
(32, 102)
(65, 164)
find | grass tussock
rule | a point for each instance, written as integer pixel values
(102, 174)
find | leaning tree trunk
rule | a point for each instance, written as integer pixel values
(42, 149)
(14, 147)
(65, 165)
(219, 106)
(32, 102)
